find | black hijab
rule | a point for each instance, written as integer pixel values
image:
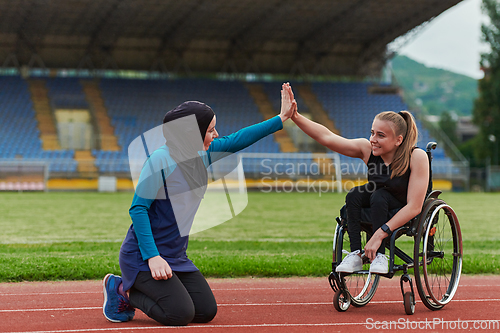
(183, 141)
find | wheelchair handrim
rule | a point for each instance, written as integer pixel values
(456, 270)
(373, 280)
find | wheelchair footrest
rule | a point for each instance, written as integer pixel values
(334, 281)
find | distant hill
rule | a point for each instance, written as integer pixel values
(434, 90)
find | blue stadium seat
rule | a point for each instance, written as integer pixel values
(136, 106)
(66, 93)
(353, 108)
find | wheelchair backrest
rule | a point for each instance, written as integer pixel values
(430, 146)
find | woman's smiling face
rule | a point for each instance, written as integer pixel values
(383, 139)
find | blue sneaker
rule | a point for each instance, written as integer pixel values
(116, 308)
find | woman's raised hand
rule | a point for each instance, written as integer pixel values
(294, 106)
(160, 269)
(288, 103)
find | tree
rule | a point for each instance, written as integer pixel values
(487, 106)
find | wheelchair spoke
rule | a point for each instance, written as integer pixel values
(360, 285)
(365, 287)
(439, 246)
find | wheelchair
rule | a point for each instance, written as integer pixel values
(436, 258)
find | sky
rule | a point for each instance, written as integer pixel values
(451, 41)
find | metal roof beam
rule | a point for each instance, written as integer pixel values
(98, 32)
(378, 45)
(175, 28)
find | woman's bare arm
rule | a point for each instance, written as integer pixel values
(358, 148)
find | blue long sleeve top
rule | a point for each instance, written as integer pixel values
(154, 230)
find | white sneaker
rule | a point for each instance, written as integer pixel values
(380, 265)
(351, 263)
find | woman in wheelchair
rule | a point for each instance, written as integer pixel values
(398, 177)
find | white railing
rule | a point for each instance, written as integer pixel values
(23, 175)
(262, 169)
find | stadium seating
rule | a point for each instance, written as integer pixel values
(66, 93)
(273, 89)
(135, 106)
(19, 135)
(18, 128)
(353, 108)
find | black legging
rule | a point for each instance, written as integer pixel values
(184, 298)
(380, 203)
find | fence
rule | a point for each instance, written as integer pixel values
(288, 171)
(23, 175)
(493, 178)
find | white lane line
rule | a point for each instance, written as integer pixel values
(100, 292)
(56, 293)
(242, 326)
(219, 289)
(193, 326)
(52, 309)
(244, 304)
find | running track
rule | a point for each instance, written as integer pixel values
(251, 305)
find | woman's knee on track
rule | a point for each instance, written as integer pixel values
(176, 313)
(206, 314)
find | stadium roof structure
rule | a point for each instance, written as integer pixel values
(323, 37)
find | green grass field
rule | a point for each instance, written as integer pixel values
(73, 236)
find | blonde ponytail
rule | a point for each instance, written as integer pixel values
(404, 125)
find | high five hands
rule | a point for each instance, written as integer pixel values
(288, 103)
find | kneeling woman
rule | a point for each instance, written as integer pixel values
(158, 277)
(398, 176)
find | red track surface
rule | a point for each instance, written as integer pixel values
(250, 305)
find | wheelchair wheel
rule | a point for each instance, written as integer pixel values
(361, 285)
(438, 252)
(408, 303)
(341, 301)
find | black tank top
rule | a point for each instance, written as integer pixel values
(379, 175)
